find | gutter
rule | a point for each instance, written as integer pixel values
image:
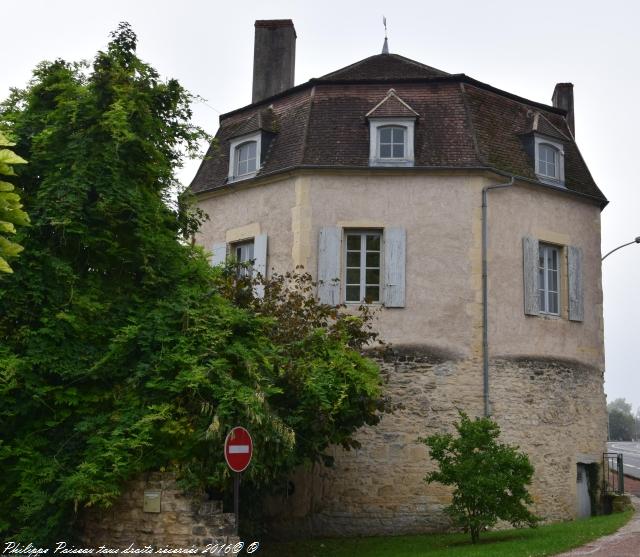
(485, 294)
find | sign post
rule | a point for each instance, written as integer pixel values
(238, 450)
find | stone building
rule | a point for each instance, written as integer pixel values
(382, 174)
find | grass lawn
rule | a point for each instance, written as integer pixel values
(545, 540)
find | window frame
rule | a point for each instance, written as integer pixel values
(234, 145)
(238, 158)
(558, 178)
(363, 233)
(234, 246)
(543, 288)
(375, 125)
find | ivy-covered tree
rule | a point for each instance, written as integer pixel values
(11, 213)
(489, 478)
(121, 349)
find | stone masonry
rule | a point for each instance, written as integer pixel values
(549, 408)
(183, 521)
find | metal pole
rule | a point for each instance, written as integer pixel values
(621, 472)
(236, 497)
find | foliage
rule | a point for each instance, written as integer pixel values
(546, 540)
(11, 213)
(490, 479)
(622, 424)
(121, 349)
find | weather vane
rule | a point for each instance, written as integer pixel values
(385, 46)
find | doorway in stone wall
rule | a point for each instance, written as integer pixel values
(582, 488)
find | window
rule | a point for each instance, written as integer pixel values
(549, 157)
(243, 254)
(391, 141)
(362, 269)
(549, 279)
(244, 157)
(546, 268)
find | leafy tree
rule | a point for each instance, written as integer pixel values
(622, 424)
(490, 479)
(11, 213)
(121, 349)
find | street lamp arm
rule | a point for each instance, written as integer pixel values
(636, 241)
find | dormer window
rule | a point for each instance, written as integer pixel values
(391, 141)
(549, 158)
(244, 157)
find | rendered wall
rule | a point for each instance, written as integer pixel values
(546, 373)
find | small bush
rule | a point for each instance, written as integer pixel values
(490, 479)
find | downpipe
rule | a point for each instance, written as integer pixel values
(485, 294)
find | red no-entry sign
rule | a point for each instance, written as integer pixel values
(238, 448)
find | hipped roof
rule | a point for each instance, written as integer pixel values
(462, 123)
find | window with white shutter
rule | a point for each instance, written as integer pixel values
(362, 266)
(545, 279)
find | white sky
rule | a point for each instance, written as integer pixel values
(523, 48)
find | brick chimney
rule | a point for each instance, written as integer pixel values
(274, 57)
(563, 98)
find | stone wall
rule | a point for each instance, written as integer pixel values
(554, 410)
(183, 521)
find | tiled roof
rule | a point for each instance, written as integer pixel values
(384, 66)
(462, 124)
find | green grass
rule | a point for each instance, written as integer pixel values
(545, 540)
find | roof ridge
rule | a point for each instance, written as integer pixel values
(420, 64)
(470, 123)
(312, 96)
(355, 64)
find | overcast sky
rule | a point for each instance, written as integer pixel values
(521, 47)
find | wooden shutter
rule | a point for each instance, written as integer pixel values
(329, 257)
(260, 261)
(576, 296)
(219, 254)
(394, 254)
(530, 253)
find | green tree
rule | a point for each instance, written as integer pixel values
(622, 424)
(121, 349)
(11, 213)
(489, 478)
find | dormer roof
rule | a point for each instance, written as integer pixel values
(541, 124)
(261, 120)
(392, 106)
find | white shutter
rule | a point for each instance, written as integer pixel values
(576, 297)
(260, 261)
(329, 257)
(394, 254)
(219, 254)
(530, 256)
